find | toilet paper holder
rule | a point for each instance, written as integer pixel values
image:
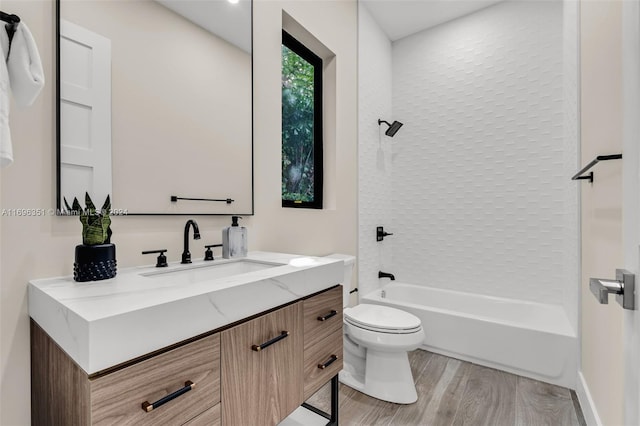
(624, 287)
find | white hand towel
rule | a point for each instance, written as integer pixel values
(25, 68)
(6, 152)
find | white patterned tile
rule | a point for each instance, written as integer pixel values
(480, 198)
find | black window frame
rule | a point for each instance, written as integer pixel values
(318, 157)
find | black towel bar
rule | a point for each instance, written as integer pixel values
(175, 198)
(589, 177)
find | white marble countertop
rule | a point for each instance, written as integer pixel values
(100, 324)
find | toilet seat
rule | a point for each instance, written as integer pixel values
(382, 319)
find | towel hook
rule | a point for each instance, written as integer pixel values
(11, 26)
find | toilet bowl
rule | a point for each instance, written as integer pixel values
(376, 341)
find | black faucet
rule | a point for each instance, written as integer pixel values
(186, 256)
(386, 275)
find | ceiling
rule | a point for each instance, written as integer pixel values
(231, 22)
(400, 18)
(397, 18)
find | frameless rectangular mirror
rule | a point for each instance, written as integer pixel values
(155, 105)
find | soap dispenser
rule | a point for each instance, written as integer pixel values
(234, 240)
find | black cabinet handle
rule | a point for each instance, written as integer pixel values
(331, 360)
(258, 348)
(188, 385)
(329, 315)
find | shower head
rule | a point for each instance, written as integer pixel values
(393, 127)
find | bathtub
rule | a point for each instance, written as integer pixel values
(525, 338)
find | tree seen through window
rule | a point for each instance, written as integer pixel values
(301, 125)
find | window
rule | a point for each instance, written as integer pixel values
(301, 125)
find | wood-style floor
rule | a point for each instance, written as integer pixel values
(454, 392)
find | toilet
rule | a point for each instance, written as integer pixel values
(376, 341)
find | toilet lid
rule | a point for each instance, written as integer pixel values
(382, 318)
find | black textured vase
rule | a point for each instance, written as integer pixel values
(94, 263)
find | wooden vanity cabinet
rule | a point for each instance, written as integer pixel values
(254, 373)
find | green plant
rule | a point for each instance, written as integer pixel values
(297, 127)
(96, 225)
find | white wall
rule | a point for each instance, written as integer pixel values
(40, 247)
(334, 24)
(374, 167)
(602, 326)
(480, 169)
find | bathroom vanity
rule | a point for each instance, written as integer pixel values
(231, 342)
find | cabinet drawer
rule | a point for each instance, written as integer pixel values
(320, 354)
(319, 307)
(262, 368)
(117, 398)
(211, 417)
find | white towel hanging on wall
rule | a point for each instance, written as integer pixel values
(23, 75)
(25, 68)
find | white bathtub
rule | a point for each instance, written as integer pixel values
(526, 338)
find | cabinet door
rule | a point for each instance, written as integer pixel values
(118, 398)
(262, 384)
(322, 339)
(322, 316)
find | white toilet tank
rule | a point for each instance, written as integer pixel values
(347, 284)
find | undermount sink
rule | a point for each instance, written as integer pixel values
(199, 273)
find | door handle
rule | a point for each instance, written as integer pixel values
(624, 287)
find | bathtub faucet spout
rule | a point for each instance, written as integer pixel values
(386, 275)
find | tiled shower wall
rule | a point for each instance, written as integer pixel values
(374, 150)
(571, 139)
(482, 199)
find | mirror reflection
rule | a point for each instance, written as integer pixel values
(155, 101)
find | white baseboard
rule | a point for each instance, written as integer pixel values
(586, 402)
